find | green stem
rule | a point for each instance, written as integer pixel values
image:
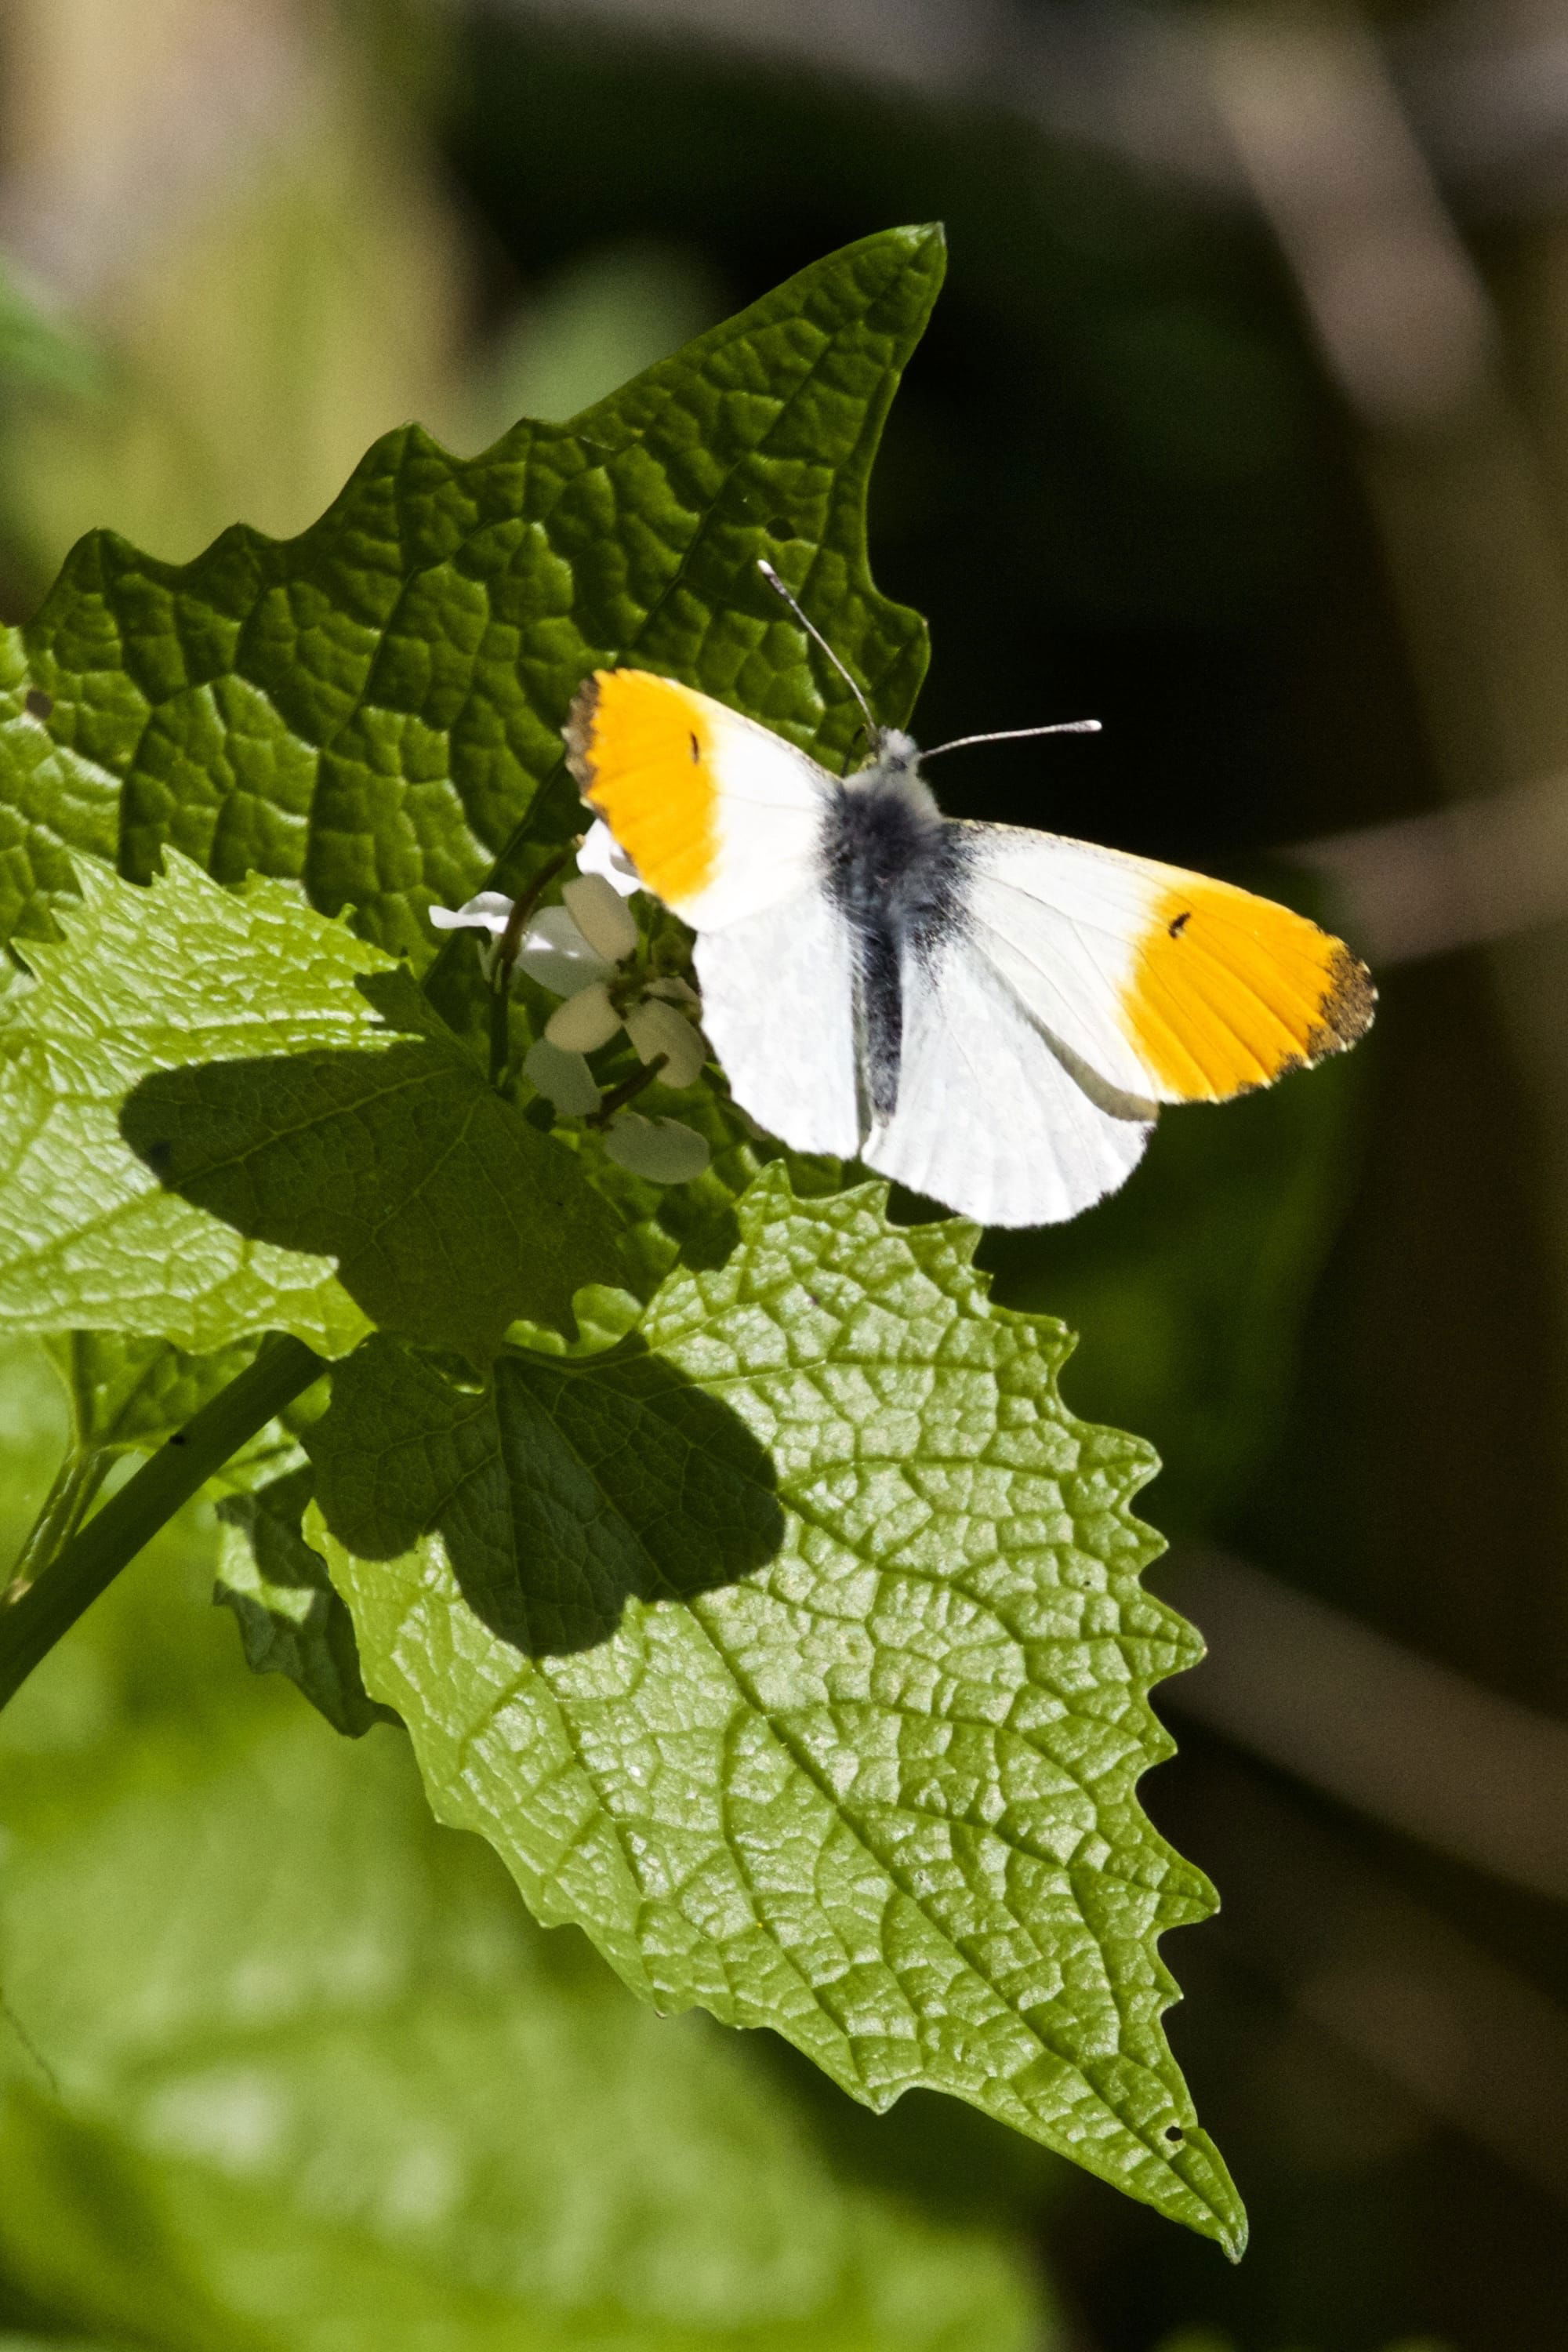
(627, 1091)
(506, 955)
(64, 1507)
(91, 1560)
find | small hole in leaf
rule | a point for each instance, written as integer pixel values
(1174, 2132)
(40, 704)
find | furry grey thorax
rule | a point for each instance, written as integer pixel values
(894, 868)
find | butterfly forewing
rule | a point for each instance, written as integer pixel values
(720, 817)
(1166, 984)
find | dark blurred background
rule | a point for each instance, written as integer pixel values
(1243, 427)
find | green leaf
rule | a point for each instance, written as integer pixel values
(133, 1395)
(88, 1236)
(371, 709)
(299, 2074)
(266, 1087)
(290, 1620)
(799, 1653)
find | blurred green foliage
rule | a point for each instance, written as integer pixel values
(282, 2064)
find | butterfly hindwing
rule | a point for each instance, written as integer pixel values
(990, 1118)
(778, 1006)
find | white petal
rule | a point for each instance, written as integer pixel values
(602, 915)
(674, 990)
(659, 1148)
(657, 1028)
(562, 1078)
(586, 1020)
(555, 953)
(488, 912)
(602, 854)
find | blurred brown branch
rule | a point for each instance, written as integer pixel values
(1486, 88)
(1406, 1742)
(1470, 2038)
(1454, 878)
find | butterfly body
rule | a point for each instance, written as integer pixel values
(990, 1014)
(893, 866)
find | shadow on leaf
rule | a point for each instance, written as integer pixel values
(448, 1215)
(290, 1620)
(560, 1490)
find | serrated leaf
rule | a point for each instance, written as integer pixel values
(373, 707)
(87, 1236)
(803, 1659)
(241, 1043)
(290, 1620)
(317, 2084)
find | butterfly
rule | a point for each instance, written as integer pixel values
(992, 1016)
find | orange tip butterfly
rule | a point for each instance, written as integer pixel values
(990, 1014)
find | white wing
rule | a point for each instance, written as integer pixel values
(991, 1119)
(778, 1006)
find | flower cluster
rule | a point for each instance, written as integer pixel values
(585, 952)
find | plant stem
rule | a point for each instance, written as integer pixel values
(64, 1507)
(91, 1560)
(627, 1091)
(506, 955)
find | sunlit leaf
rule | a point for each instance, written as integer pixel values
(798, 1652)
(277, 1072)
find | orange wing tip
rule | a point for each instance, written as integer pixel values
(1230, 991)
(641, 750)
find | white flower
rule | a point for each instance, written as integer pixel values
(602, 854)
(488, 912)
(602, 917)
(656, 1027)
(554, 951)
(578, 950)
(660, 1149)
(585, 1021)
(564, 1078)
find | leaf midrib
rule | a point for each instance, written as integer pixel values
(890, 1870)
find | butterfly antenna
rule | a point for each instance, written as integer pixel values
(1016, 735)
(873, 733)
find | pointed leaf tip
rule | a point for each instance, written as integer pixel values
(799, 1653)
